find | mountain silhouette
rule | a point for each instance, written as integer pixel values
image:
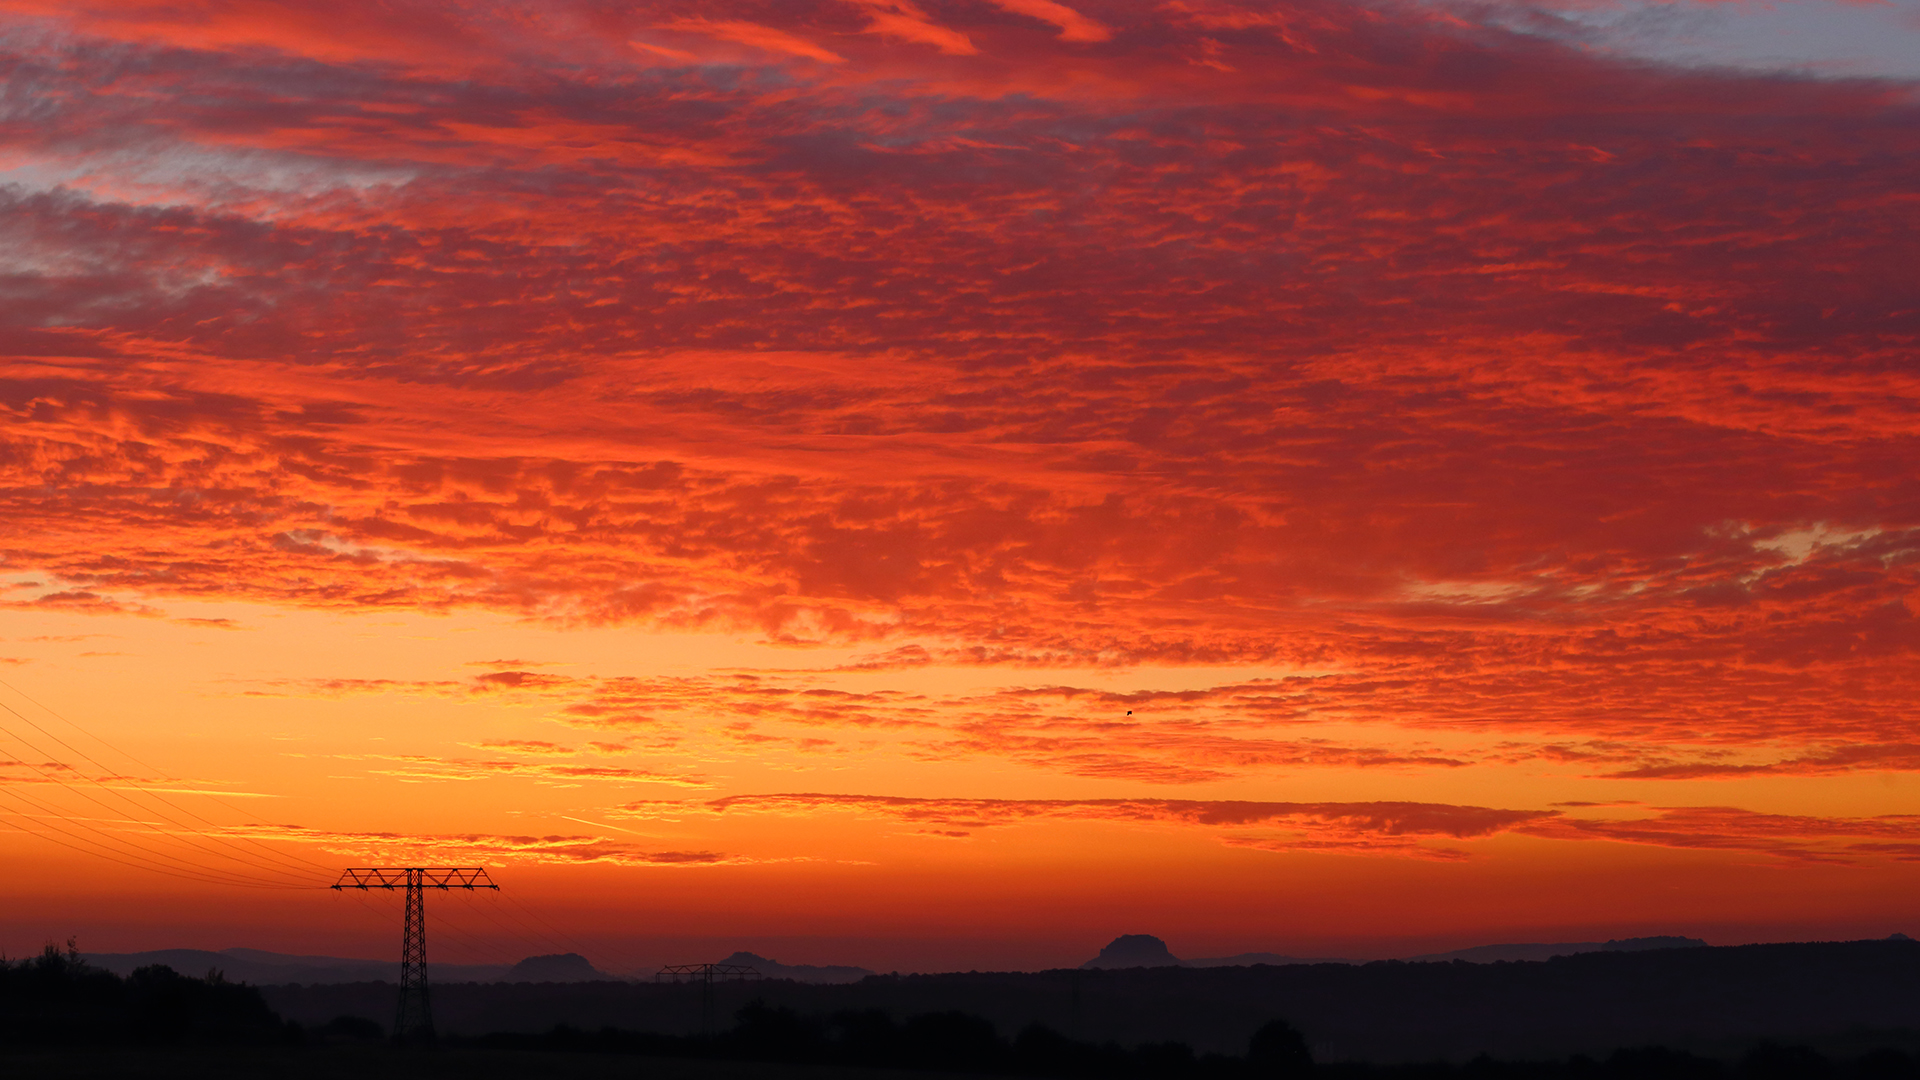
(1134, 951)
(819, 974)
(263, 968)
(1487, 954)
(1145, 950)
(555, 968)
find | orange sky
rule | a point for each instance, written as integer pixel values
(943, 484)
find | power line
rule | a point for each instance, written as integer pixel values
(64, 784)
(148, 852)
(476, 947)
(272, 853)
(125, 862)
(561, 935)
(506, 933)
(146, 859)
(528, 933)
(529, 937)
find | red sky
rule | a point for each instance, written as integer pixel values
(945, 483)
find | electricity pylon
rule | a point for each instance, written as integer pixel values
(706, 975)
(413, 1020)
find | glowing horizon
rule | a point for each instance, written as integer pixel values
(944, 484)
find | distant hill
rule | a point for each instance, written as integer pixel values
(822, 975)
(1145, 950)
(260, 967)
(555, 968)
(1133, 951)
(1487, 954)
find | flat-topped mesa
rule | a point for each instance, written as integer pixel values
(556, 968)
(1133, 951)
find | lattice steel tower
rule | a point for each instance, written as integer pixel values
(413, 1019)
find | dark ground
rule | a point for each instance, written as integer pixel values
(386, 1063)
(1840, 997)
(1820, 1011)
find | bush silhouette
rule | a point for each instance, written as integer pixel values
(56, 998)
(1278, 1049)
(1770, 1061)
(952, 1040)
(1661, 1063)
(1886, 1063)
(771, 1034)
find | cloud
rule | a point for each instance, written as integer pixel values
(1894, 757)
(663, 51)
(82, 602)
(426, 768)
(1387, 818)
(1504, 392)
(1073, 25)
(1795, 838)
(526, 746)
(1241, 729)
(1377, 828)
(757, 36)
(1400, 829)
(476, 848)
(906, 21)
(44, 772)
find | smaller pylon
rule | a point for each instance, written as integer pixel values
(706, 975)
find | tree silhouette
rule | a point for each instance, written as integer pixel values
(1277, 1049)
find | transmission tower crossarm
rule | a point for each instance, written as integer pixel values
(419, 877)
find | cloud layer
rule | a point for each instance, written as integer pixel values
(1501, 403)
(1420, 830)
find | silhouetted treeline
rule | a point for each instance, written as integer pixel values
(1842, 998)
(959, 1042)
(934, 1042)
(56, 999)
(1766, 1061)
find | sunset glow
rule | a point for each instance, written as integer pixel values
(940, 484)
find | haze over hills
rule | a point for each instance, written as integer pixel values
(263, 967)
(827, 974)
(1145, 950)
(1487, 954)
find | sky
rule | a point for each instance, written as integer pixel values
(941, 484)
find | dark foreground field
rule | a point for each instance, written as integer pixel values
(1833, 1011)
(389, 1063)
(1841, 997)
(204, 1062)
